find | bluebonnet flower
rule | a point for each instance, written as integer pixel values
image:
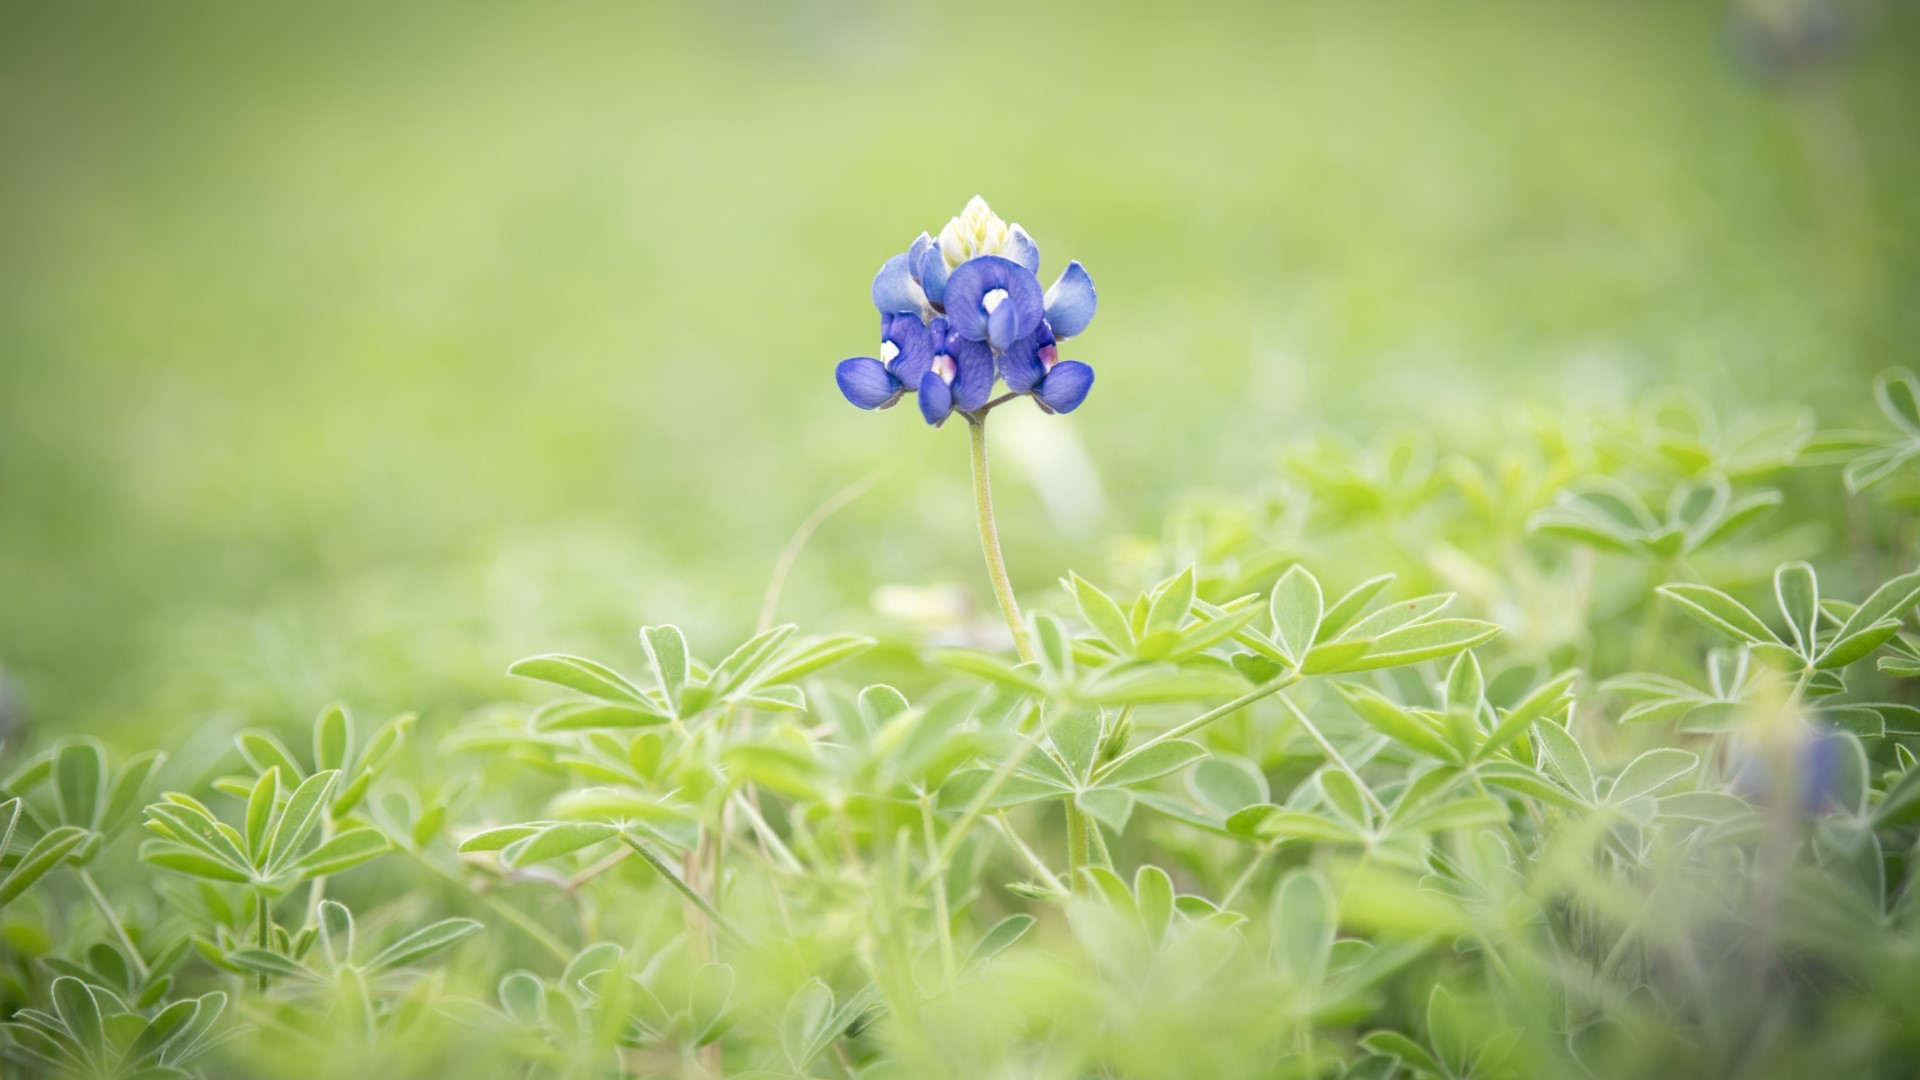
(963, 311)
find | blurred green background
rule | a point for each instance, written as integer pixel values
(357, 351)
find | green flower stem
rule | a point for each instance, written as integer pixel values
(113, 921)
(1077, 824)
(660, 867)
(990, 542)
(263, 930)
(1265, 689)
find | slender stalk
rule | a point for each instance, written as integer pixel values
(1077, 848)
(113, 921)
(520, 919)
(999, 822)
(660, 867)
(1339, 760)
(990, 542)
(783, 566)
(1265, 689)
(940, 912)
(263, 929)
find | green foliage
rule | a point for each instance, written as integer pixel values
(1225, 819)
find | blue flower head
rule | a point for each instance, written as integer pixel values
(964, 310)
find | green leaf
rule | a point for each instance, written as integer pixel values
(129, 790)
(1798, 593)
(299, 818)
(78, 1009)
(1448, 814)
(806, 1028)
(1531, 782)
(523, 997)
(158, 1033)
(991, 668)
(1423, 641)
(264, 752)
(745, 662)
(1153, 895)
(1075, 733)
(268, 962)
(1171, 602)
(1297, 607)
(1303, 919)
(1851, 647)
(422, 943)
(260, 805)
(1720, 612)
(1344, 796)
(1650, 772)
(582, 676)
(998, 940)
(188, 861)
(1269, 822)
(1100, 613)
(1898, 393)
(561, 838)
(1890, 601)
(1396, 615)
(817, 656)
(498, 838)
(343, 852)
(1405, 1050)
(708, 999)
(1565, 756)
(962, 788)
(594, 715)
(332, 738)
(1228, 784)
(79, 774)
(1112, 806)
(336, 932)
(667, 650)
(1151, 762)
(1548, 698)
(1447, 1029)
(1395, 722)
(775, 699)
(1156, 684)
(42, 857)
(1349, 606)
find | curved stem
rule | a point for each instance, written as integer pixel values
(990, 542)
(113, 922)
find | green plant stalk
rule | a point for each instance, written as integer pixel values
(513, 915)
(990, 542)
(1218, 712)
(940, 912)
(263, 929)
(113, 921)
(660, 867)
(1077, 824)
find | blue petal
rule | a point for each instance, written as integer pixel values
(1025, 251)
(973, 373)
(916, 252)
(1065, 387)
(893, 287)
(867, 383)
(1003, 327)
(974, 279)
(915, 344)
(1071, 300)
(936, 399)
(932, 274)
(1022, 365)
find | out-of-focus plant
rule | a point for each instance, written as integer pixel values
(1202, 815)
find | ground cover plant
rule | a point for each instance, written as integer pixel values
(1590, 757)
